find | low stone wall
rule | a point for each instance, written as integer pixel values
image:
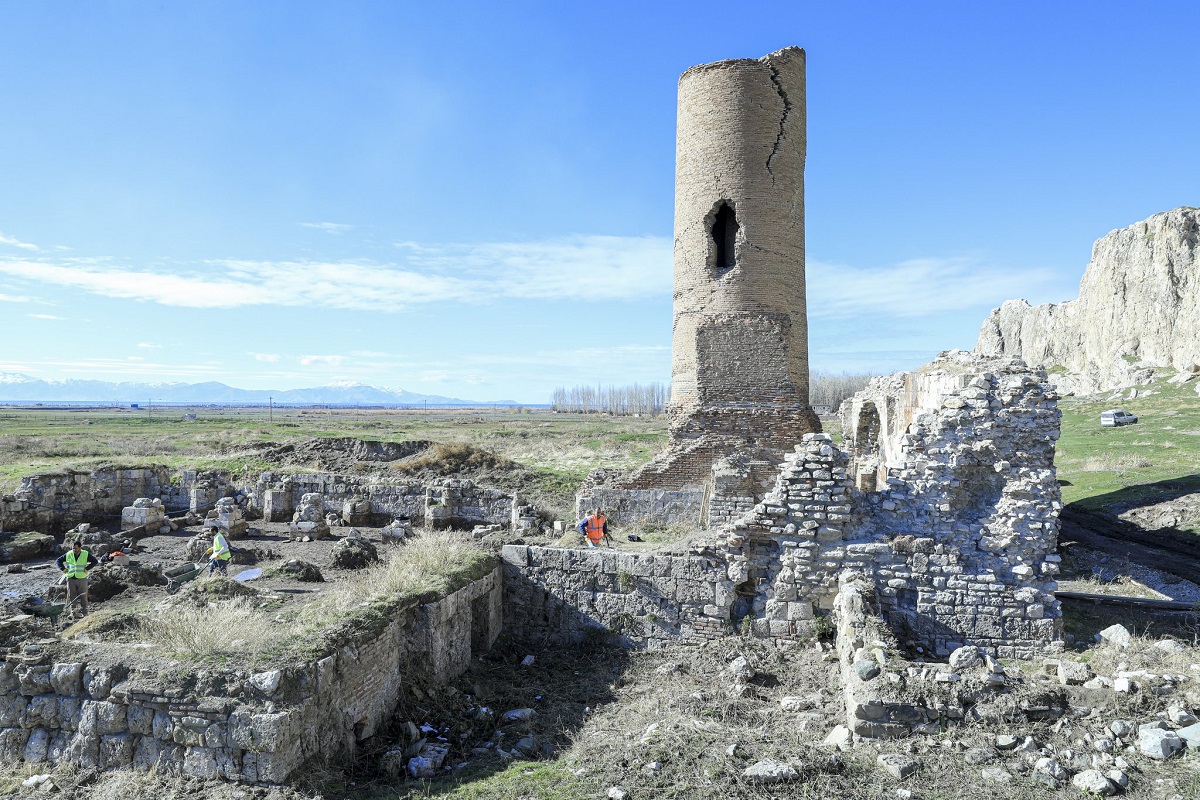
(53, 502)
(562, 596)
(623, 506)
(257, 727)
(58, 501)
(447, 502)
(888, 697)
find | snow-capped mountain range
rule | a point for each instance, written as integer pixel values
(18, 388)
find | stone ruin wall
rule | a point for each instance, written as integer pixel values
(739, 371)
(958, 525)
(56, 502)
(115, 715)
(450, 501)
(945, 499)
(557, 596)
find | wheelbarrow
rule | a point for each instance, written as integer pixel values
(186, 573)
(47, 609)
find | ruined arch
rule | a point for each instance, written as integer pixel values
(867, 458)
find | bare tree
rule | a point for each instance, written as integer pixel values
(827, 389)
(646, 399)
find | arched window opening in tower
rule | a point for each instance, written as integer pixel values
(724, 236)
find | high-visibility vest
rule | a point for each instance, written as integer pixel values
(594, 530)
(221, 548)
(77, 567)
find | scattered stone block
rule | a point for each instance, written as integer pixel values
(769, 771)
(1158, 743)
(1190, 736)
(898, 765)
(1094, 782)
(1073, 673)
(996, 775)
(964, 658)
(1117, 636)
(428, 763)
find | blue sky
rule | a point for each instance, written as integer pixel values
(475, 199)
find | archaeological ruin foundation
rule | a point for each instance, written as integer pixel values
(933, 522)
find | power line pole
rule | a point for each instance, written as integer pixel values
(271, 411)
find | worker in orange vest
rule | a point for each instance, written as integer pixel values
(595, 528)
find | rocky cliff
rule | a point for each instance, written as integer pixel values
(1138, 308)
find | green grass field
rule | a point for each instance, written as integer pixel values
(560, 448)
(1154, 458)
(1096, 465)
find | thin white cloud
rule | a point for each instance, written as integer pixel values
(11, 242)
(335, 228)
(572, 269)
(14, 298)
(270, 358)
(329, 361)
(921, 287)
(104, 366)
(43, 316)
(149, 346)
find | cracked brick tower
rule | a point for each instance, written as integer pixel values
(739, 378)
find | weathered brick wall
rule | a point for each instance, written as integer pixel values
(259, 727)
(562, 596)
(739, 364)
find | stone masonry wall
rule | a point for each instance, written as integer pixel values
(560, 596)
(449, 501)
(661, 506)
(57, 501)
(69, 711)
(945, 499)
(960, 535)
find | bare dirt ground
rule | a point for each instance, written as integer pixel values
(114, 588)
(1156, 550)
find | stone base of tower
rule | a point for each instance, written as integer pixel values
(720, 461)
(702, 437)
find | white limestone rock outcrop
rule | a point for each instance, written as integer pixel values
(1138, 308)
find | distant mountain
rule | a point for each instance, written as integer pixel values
(17, 388)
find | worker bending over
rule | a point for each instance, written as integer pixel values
(219, 554)
(595, 528)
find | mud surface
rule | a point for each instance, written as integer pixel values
(114, 587)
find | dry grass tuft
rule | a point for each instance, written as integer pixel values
(1115, 462)
(433, 562)
(206, 622)
(227, 627)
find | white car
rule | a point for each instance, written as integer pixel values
(1116, 417)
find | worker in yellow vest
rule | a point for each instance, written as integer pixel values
(219, 554)
(75, 564)
(595, 528)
